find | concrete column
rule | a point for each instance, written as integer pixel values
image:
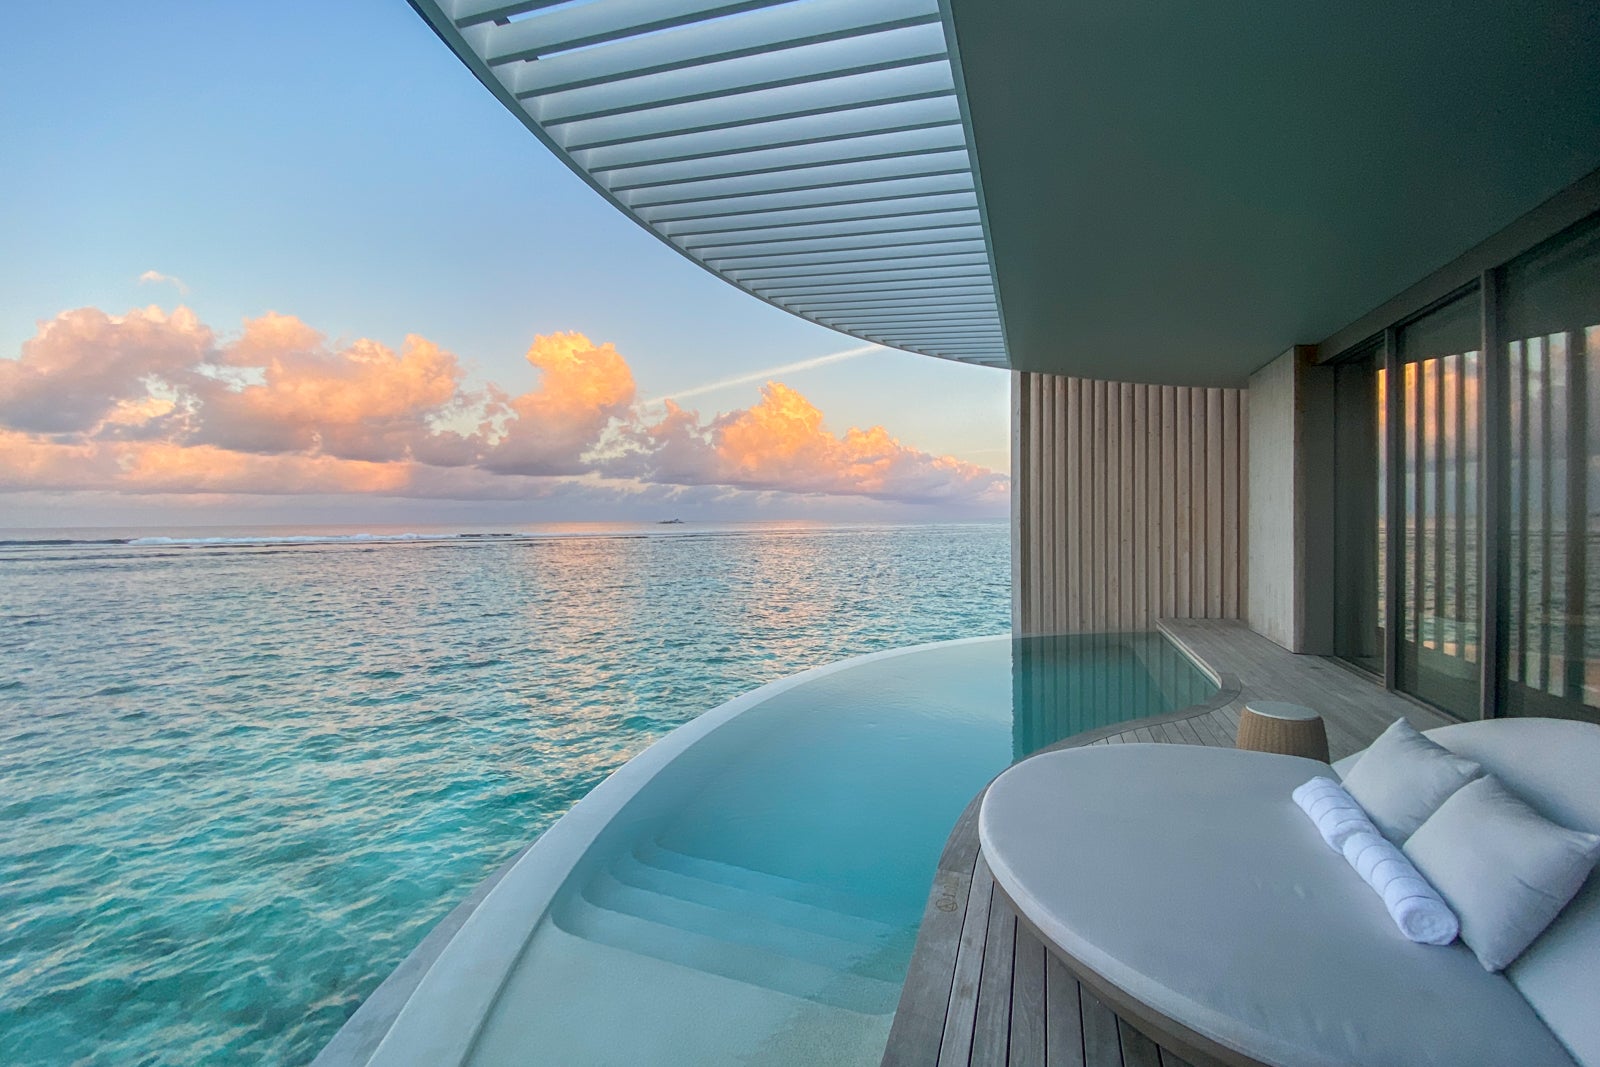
(1291, 502)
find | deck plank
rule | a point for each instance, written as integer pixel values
(1354, 707)
(1027, 1002)
(1210, 732)
(1201, 725)
(1102, 1045)
(919, 1020)
(1186, 730)
(1137, 1049)
(991, 1029)
(955, 1048)
(1230, 714)
(1168, 734)
(1063, 1019)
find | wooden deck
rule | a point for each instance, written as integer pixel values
(983, 991)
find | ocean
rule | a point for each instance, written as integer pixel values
(244, 771)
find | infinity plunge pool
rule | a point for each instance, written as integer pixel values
(748, 890)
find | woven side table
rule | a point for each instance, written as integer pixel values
(1293, 730)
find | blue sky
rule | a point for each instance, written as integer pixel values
(335, 162)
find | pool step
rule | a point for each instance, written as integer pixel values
(869, 955)
(753, 965)
(716, 872)
(739, 900)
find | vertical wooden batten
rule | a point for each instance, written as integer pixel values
(1128, 504)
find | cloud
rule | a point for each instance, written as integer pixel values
(82, 364)
(155, 277)
(155, 403)
(782, 444)
(362, 402)
(583, 387)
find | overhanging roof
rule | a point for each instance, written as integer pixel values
(812, 153)
(1169, 193)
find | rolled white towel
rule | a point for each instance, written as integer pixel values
(1334, 811)
(1419, 912)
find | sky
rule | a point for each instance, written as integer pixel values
(289, 261)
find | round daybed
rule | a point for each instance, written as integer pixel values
(1185, 888)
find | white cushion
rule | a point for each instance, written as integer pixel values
(1188, 879)
(1403, 778)
(1504, 869)
(1550, 764)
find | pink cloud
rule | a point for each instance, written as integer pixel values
(582, 388)
(361, 402)
(152, 403)
(781, 443)
(82, 363)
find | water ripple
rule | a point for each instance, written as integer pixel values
(240, 784)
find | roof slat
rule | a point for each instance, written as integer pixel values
(774, 250)
(865, 319)
(848, 229)
(923, 81)
(806, 63)
(798, 158)
(893, 208)
(926, 264)
(866, 192)
(585, 25)
(827, 176)
(954, 265)
(753, 33)
(788, 132)
(812, 152)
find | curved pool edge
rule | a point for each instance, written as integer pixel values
(358, 1038)
(429, 1011)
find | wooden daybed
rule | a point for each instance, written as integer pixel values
(1183, 887)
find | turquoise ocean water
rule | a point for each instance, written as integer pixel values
(242, 775)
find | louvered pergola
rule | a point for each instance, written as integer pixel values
(811, 152)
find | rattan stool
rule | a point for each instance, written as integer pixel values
(1272, 726)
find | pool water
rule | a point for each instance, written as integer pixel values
(758, 899)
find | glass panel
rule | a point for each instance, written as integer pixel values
(1358, 510)
(1441, 368)
(1551, 302)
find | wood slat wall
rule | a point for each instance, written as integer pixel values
(1127, 504)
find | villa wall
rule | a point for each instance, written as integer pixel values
(1128, 504)
(1290, 502)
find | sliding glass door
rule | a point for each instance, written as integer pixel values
(1550, 320)
(1440, 367)
(1467, 493)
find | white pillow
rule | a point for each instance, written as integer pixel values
(1504, 869)
(1403, 778)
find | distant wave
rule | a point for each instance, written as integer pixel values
(260, 539)
(322, 539)
(48, 542)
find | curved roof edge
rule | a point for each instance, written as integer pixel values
(814, 153)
